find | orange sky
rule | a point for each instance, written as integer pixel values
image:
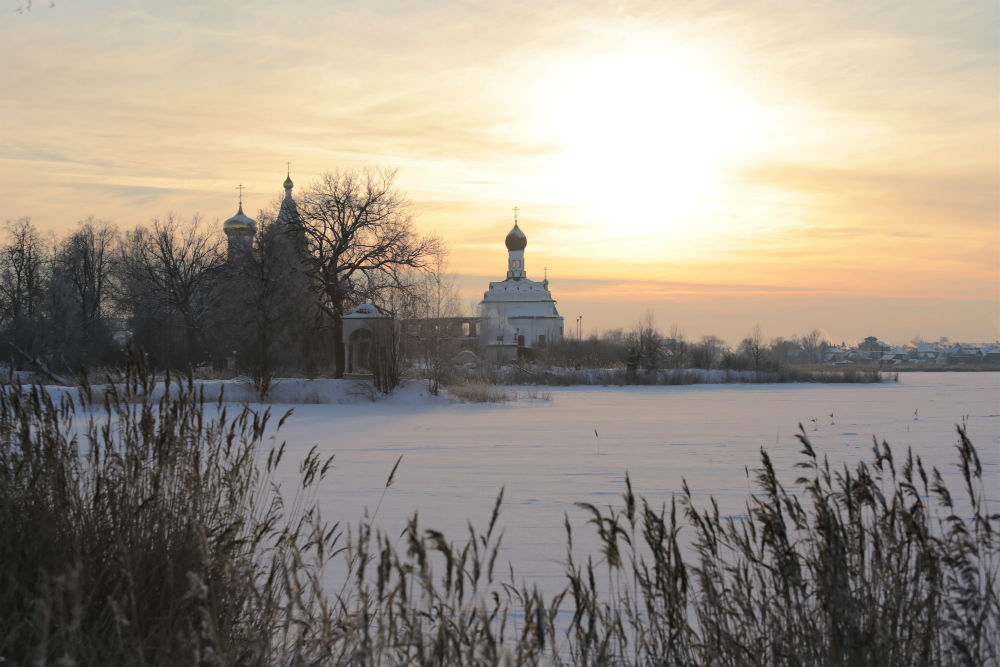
(797, 165)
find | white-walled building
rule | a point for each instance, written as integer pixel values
(517, 313)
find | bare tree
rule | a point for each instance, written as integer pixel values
(811, 345)
(785, 351)
(753, 349)
(80, 293)
(438, 301)
(167, 276)
(21, 271)
(676, 347)
(707, 352)
(643, 346)
(358, 234)
(23, 262)
(387, 355)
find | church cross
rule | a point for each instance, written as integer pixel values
(240, 188)
(516, 209)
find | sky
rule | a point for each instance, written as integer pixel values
(720, 165)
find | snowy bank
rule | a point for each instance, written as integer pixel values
(290, 391)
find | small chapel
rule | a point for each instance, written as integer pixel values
(517, 313)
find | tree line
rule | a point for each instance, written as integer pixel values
(645, 348)
(172, 289)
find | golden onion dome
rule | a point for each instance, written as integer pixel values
(240, 224)
(288, 182)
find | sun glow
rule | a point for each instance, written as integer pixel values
(644, 136)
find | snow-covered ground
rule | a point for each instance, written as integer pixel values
(546, 454)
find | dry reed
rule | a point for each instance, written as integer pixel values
(153, 535)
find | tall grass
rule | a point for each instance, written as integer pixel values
(876, 565)
(152, 534)
(148, 534)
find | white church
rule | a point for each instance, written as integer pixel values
(517, 313)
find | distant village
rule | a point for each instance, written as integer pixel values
(943, 353)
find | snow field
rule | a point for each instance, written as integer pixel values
(545, 454)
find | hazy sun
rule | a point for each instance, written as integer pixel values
(643, 134)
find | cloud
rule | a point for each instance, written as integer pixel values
(133, 195)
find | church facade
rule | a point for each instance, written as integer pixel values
(517, 313)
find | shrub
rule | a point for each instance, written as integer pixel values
(481, 392)
(592, 352)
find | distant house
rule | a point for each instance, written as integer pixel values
(895, 356)
(836, 355)
(927, 352)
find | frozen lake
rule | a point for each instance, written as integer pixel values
(456, 457)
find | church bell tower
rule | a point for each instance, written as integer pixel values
(516, 242)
